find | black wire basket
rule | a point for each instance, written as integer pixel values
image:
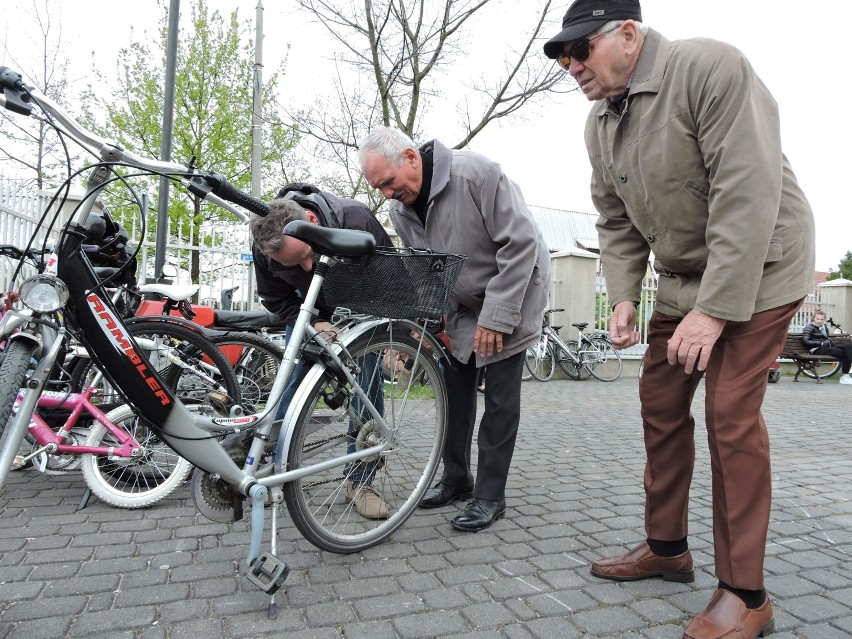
(394, 283)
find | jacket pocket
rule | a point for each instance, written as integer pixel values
(775, 252)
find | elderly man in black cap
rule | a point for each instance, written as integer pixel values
(684, 142)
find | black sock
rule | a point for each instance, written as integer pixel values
(752, 598)
(668, 548)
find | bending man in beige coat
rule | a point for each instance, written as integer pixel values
(684, 142)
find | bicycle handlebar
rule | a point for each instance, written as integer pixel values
(213, 187)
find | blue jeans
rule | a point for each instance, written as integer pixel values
(371, 381)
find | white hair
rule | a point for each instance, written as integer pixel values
(609, 28)
(387, 142)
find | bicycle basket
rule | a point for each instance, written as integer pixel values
(394, 283)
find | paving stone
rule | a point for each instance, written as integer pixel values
(574, 495)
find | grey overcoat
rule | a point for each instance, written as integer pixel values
(475, 210)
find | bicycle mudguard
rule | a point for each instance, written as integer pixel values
(346, 338)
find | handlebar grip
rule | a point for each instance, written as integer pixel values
(13, 92)
(228, 191)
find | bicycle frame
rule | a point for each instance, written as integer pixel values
(53, 442)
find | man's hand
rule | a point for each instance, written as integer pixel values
(693, 340)
(487, 342)
(329, 330)
(622, 326)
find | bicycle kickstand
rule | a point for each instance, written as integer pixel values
(265, 570)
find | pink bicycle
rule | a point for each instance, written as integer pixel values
(123, 462)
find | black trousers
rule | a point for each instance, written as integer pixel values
(497, 430)
(842, 352)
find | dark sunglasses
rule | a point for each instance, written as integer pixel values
(579, 51)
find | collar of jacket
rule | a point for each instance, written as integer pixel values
(442, 162)
(649, 72)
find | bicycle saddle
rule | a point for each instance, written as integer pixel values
(337, 242)
(581, 325)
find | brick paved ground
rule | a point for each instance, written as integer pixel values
(574, 495)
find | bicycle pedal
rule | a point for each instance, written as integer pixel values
(220, 402)
(267, 572)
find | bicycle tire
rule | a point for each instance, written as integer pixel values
(132, 482)
(255, 360)
(832, 369)
(574, 370)
(15, 363)
(525, 371)
(541, 365)
(198, 355)
(414, 406)
(607, 363)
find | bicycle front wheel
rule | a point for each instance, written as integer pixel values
(138, 481)
(540, 362)
(13, 371)
(525, 371)
(351, 507)
(602, 360)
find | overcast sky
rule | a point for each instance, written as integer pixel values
(795, 47)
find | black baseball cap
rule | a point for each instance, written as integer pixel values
(584, 16)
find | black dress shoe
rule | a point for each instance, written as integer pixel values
(479, 514)
(441, 495)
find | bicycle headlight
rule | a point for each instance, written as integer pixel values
(44, 293)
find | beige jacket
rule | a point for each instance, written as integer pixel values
(692, 169)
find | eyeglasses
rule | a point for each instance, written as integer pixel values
(579, 51)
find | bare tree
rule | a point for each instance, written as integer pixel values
(402, 52)
(27, 142)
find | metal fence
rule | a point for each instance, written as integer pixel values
(223, 248)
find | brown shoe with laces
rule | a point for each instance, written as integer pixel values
(642, 563)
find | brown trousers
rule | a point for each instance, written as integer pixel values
(736, 379)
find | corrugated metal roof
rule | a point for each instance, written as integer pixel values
(564, 230)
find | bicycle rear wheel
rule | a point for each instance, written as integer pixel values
(602, 360)
(573, 369)
(540, 363)
(186, 361)
(330, 422)
(255, 360)
(132, 482)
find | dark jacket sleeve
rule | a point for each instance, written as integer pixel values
(813, 338)
(355, 215)
(276, 295)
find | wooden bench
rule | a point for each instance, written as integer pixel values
(797, 352)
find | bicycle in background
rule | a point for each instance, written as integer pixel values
(588, 355)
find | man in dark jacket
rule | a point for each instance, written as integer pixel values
(284, 268)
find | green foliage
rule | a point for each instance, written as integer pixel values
(844, 268)
(212, 115)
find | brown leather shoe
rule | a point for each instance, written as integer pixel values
(727, 617)
(641, 563)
